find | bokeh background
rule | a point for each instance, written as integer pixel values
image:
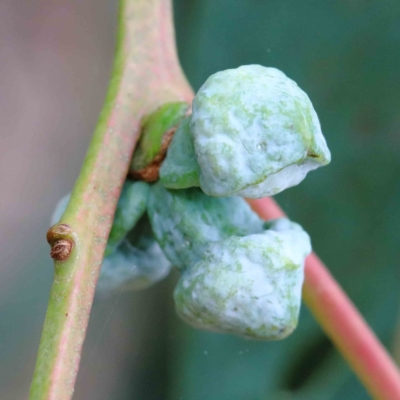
(55, 61)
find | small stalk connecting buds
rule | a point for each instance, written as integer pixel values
(60, 239)
(158, 129)
(150, 172)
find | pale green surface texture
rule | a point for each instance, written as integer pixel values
(180, 169)
(131, 206)
(249, 286)
(255, 133)
(185, 221)
(137, 263)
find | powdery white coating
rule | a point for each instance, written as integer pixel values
(180, 169)
(287, 177)
(297, 244)
(137, 263)
(185, 221)
(255, 133)
(133, 267)
(249, 286)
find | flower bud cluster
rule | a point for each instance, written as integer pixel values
(252, 133)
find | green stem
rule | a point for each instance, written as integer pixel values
(146, 75)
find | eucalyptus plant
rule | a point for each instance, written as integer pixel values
(250, 132)
(239, 276)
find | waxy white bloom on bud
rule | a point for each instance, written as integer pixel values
(249, 286)
(255, 133)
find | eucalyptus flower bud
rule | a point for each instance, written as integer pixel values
(249, 286)
(137, 263)
(255, 133)
(185, 221)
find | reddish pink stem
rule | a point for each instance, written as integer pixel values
(342, 322)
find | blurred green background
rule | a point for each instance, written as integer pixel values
(55, 60)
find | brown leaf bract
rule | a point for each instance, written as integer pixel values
(151, 172)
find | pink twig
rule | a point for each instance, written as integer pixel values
(342, 322)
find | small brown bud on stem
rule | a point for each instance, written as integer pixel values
(61, 250)
(61, 241)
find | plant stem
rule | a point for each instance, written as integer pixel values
(146, 75)
(342, 322)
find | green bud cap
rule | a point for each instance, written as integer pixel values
(185, 221)
(255, 133)
(249, 286)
